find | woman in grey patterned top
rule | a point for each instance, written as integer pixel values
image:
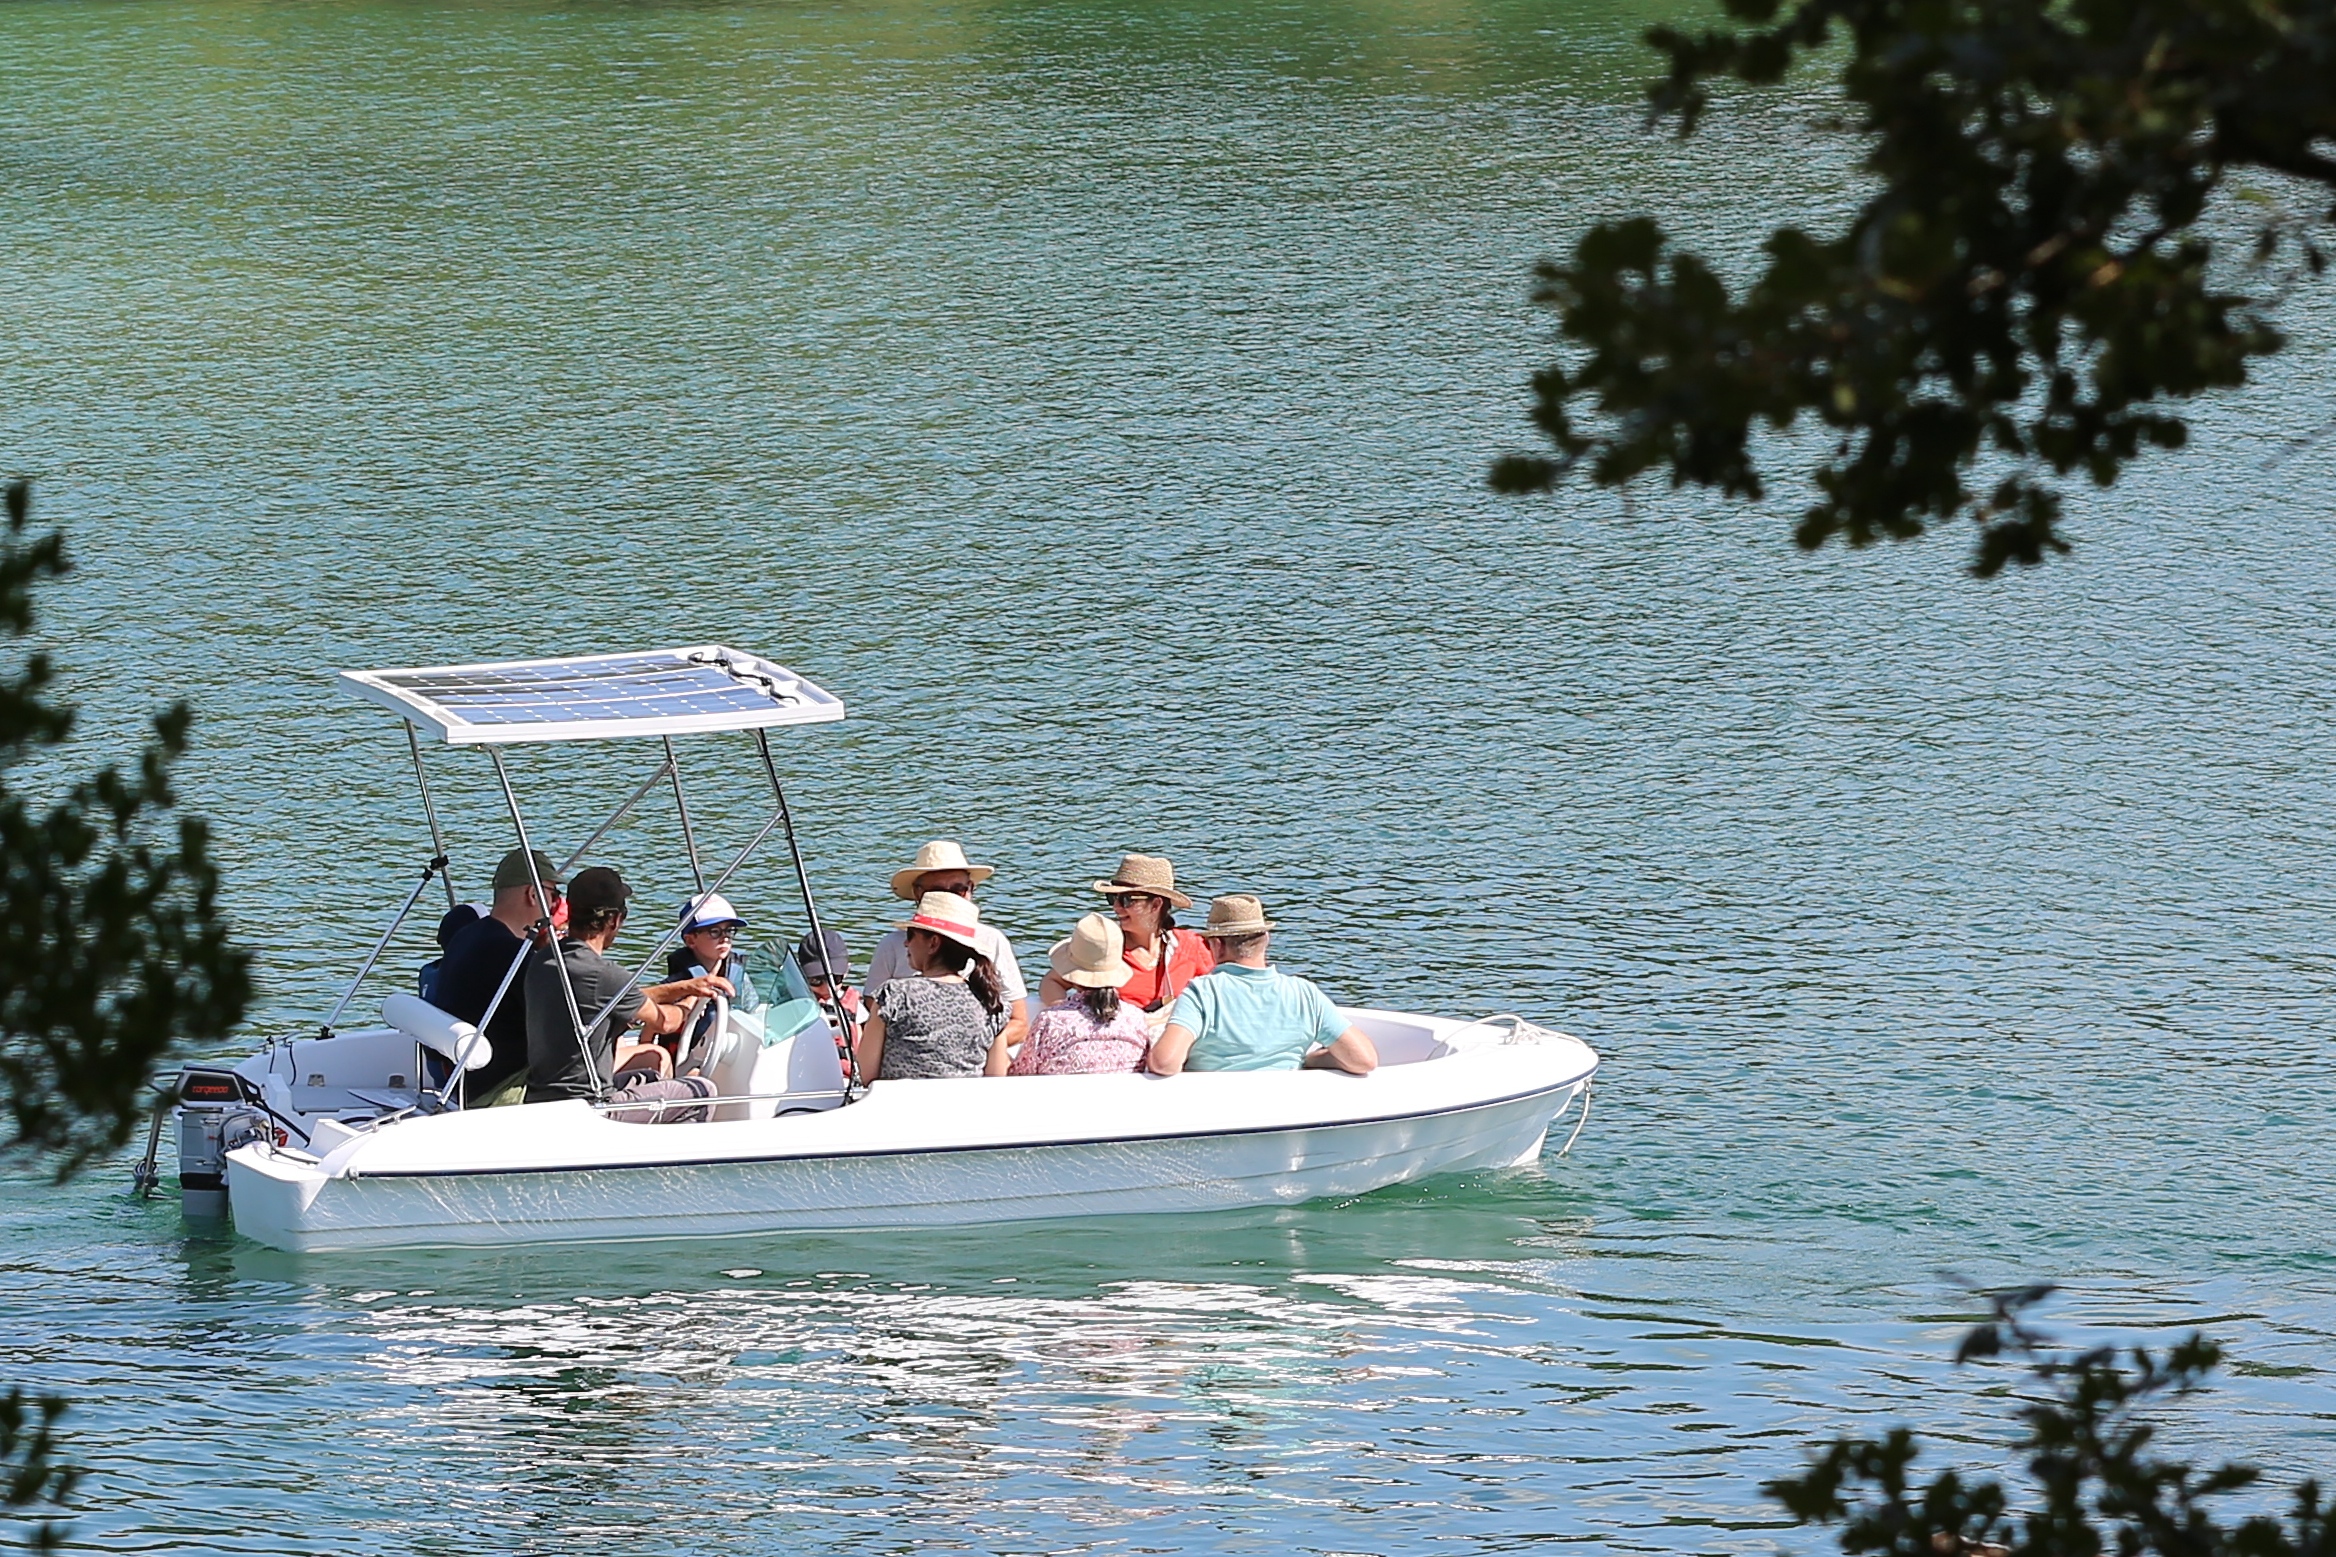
(948, 1021)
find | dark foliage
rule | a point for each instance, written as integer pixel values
(34, 1480)
(111, 953)
(2025, 297)
(112, 950)
(2097, 1488)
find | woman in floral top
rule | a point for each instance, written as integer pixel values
(1090, 1029)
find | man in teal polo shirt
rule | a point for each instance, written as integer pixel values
(1246, 1016)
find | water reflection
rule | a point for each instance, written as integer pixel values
(1423, 1364)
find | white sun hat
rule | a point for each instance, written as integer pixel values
(947, 914)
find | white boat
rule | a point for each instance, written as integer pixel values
(354, 1140)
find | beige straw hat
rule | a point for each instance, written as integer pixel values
(1144, 873)
(940, 854)
(1090, 956)
(945, 913)
(1236, 914)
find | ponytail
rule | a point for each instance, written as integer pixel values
(982, 978)
(1102, 1004)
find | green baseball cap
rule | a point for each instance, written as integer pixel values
(514, 871)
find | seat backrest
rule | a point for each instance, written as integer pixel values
(441, 1032)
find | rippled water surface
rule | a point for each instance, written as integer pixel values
(1096, 395)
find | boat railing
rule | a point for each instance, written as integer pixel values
(1519, 1030)
(1522, 1031)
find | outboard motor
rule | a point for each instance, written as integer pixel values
(218, 1111)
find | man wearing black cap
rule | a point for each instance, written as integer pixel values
(481, 956)
(555, 1065)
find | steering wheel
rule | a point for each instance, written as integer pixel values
(704, 1042)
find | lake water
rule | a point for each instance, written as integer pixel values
(1096, 394)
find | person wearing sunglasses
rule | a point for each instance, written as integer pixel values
(826, 965)
(711, 930)
(941, 866)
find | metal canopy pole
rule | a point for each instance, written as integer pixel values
(568, 865)
(381, 946)
(430, 809)
(674, 934)
(543, 900)
(689, 840)
(846, 1049)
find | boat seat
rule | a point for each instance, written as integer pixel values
(441, 1032)
(1399, 1040)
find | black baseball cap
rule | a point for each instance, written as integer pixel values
(596, 889)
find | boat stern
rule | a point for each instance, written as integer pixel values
(272, 1191)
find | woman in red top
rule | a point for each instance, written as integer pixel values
(1144, 900)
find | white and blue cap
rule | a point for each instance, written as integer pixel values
(708, 911)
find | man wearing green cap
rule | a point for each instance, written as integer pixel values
(481, 958)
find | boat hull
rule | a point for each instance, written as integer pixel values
(915, 1154)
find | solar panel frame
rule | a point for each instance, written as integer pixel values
(597, 697)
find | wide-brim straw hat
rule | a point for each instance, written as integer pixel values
(940, 854)
(1236, 913)
(1144, 873)
(1092, 955)
(946, 914)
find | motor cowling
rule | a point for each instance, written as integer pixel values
(215, 1116)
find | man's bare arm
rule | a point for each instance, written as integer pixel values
(1166, 1056)
(1352, 1051)
(664, 1007)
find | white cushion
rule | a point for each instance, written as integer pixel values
(438, 1031)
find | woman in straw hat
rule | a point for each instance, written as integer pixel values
(949, 1018)
(1090, 1029)
(941, 866)
(1161, 960)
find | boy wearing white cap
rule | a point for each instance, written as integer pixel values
(941, 866)
(709, 932)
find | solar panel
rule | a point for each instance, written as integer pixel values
(598, 697)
